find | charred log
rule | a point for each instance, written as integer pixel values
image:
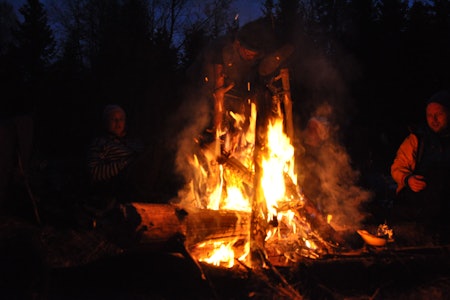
(163, 224)
(306, 207)
(204, 224)
(160, 224)
(258, 230)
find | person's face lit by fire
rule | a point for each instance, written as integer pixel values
(247, 54)
(317, 132)
(115, 123)
(437, 117)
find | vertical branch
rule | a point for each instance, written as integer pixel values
(259, 208)
(287, 103)
(258, 217)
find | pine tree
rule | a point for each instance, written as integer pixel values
(36, 43)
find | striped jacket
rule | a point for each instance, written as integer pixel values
(109, 155)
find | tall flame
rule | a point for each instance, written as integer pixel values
(279, 160)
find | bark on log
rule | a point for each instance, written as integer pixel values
(204, 224)
(161, 223)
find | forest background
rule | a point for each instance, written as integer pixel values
(375, 62)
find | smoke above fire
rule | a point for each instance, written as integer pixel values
(192, 118)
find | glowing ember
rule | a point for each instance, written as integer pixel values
(222, 252)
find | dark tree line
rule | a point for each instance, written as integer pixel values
(374, 61)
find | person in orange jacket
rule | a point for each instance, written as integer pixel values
(421, 168)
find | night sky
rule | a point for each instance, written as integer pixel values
(248, 9)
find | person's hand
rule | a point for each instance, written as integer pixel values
(416, 183)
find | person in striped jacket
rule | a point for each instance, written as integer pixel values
(110, 155)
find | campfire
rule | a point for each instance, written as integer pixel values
(243, 209)
(254, 182)
(287, 233)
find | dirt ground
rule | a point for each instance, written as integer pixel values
(50, 264)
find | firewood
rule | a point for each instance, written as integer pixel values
(300, 202)
(160, 223)
(206, 224)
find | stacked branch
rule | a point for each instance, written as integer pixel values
(299, 203)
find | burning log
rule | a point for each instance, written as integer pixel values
(161, 224)
(312, 214)
(204, 224)
(259, 223)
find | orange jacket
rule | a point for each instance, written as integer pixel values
(405, 161)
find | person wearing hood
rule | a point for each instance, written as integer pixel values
(421, 169)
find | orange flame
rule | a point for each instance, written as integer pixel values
(279, 160)
(230, 194)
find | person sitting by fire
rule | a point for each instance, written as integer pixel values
(327, 177)
(110, 157)
(421, 169)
